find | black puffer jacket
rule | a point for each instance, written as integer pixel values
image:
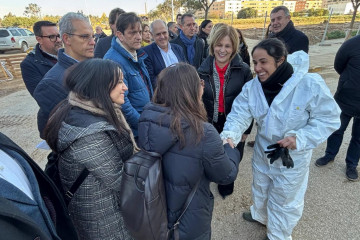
(238, 75)
(184, 167)
(347, 64)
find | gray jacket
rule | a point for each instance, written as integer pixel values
(86, 140)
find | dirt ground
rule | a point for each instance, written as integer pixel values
(332, 203)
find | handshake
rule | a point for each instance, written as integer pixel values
(279, 152)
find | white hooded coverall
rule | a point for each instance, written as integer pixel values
(304, 108)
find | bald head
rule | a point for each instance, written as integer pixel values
(160, 34)
(157, 23)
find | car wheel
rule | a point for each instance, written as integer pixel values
(2, 52)
(24, 47)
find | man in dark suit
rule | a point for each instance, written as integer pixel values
(31, 207)
(104, 44)
(161, 53)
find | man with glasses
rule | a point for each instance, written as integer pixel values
(125, 50)
(39, 61)
(78, 38)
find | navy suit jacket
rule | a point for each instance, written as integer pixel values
(45, 217)
(155, 63)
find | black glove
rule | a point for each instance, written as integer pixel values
(280, 152)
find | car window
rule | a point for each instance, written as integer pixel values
(4, 33)
(15, 33)
(22, 32)
(30, 33)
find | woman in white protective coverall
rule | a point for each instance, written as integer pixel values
(294, 109)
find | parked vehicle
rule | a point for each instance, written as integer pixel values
(12, 38)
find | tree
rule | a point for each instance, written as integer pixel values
(32, 10)
(356, 4)
(247, 13)
(200, 4)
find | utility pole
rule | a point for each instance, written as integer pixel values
(327, 24)
(263, 34)
(145, 9)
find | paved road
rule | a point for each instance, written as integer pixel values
(332, 204)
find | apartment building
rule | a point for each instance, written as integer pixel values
(262, 6)
(313, 4)
(291, 5)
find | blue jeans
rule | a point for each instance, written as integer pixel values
(335, 140)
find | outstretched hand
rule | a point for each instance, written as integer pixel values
(229, 141)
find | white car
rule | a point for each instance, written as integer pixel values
(16, 38)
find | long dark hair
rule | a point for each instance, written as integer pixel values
(91, 80)
(203, 25)
(179, 88)
(241, 37)
(273, 47)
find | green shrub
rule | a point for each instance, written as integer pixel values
(338, 34)
(335, 34)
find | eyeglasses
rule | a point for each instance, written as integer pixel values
(52, 38)
(84, 37)
(202, 83)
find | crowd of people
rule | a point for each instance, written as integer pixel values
(188, 93)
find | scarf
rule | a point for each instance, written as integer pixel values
(273, 85)
(217, 89)
(133, 55)
(285, 31)
(89, 105)
(189, 43)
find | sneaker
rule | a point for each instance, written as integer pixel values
(251, 143)
(323, 161)
(352, 174)
(247, 216)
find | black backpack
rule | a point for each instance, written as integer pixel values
(143, 200)
(52, 170)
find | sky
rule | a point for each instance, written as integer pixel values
(93, 7)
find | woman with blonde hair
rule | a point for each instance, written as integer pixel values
(224, 74)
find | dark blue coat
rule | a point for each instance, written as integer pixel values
(34, 67)
(102, 46)
(155, 62)
(50, 91)
(136, 78)
(182, 168)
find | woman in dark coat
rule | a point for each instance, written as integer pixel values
(175, 126)
(224, 74)
(204, 31)
(88, 130)
(243, 48)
